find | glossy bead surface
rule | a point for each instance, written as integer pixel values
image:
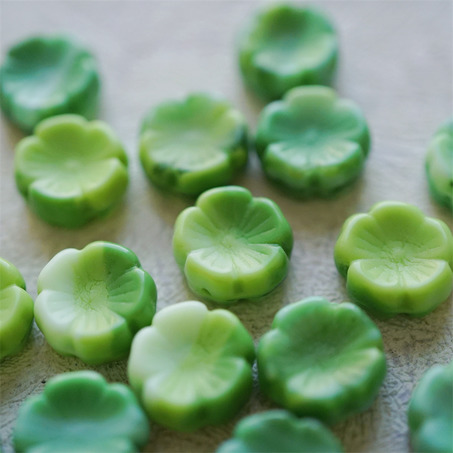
(192, 367)
(44, 76)
(81, 412)
(71, 171)
(91, 302)
(279, 431)
(439, 165)
(430, 411)
(194, 144)
(231, 245)
(396, 260)
(321, 360)
(312, 143)
(16, 310)
(285, 46)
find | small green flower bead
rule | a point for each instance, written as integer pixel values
(280, 431)
(16, 310)
(92, 301)
(46, 76)
(80, 412)
(439, 165)
(232, 246)
(71, 170)
(192, 367)
(192, 145)
(396, 260)
(431, 411)
(285, 46)
(312, 143)
(322, 360)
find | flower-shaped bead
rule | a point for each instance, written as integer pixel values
(311, 142)
(285, 46)
(92, 301)
(80, 412)
(192, 145)
(46, 76)
(439, 165)
(430, 411)
(322, 360)
(396, 260)
(16, 310)
(278, 430)
(232, 246)
(192, 367)
(71, 170)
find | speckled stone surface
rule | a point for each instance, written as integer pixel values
(396, 63)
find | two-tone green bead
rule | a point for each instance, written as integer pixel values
(312, 143)
(16, 310)
(192, 367)
(232, 246)
(322, 360)
(71, 170)
(80, 412)
(44, 76)
(91, 302)
(396, 260)
(285, 46)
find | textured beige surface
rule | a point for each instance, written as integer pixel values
(396, 63)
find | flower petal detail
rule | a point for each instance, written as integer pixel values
(81, 412)
(311, 142)
(71, 171)
(232, 246)
(285, 46)
(396, 260)
(192, 367)
(321, 360)
(278, 430)
(194, 144)
(92, 301)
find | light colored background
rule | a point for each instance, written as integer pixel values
(396, 63)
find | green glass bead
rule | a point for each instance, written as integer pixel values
(16, 310)
(322, 360)
(192, 367)
(232, 246)
(396, 260)
(312, 143)
(71, 170)
(430, 411)
(285, 46)
(439, 165)
(46, 76)
(194, 144)
(280, 431)
(91, 302)
(80, 412)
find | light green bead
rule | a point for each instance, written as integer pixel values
(44, 76)
(192, 367)
(312, 143)
(285, 46)
(92, 301)
(439, 165)
(430, 411)
(16, 310)
(71, 170)
(279, 431)
(322, 360)
(396, 260)
(80, 412)
(232, 246)
(193, 144)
